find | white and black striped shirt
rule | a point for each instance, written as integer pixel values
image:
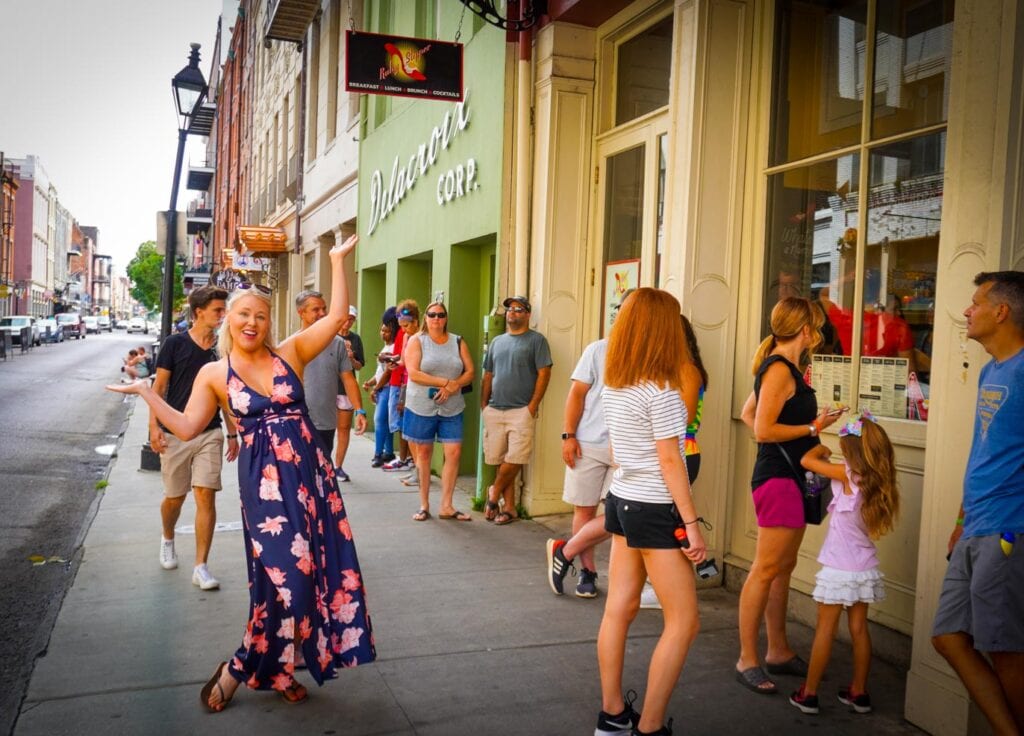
(637, 417)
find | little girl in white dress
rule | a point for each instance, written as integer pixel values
(864, 506)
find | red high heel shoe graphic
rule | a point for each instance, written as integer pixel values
(397, 62)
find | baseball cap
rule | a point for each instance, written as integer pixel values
(352, 311)
(521, 299)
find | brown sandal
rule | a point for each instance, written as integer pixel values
(504, 518)
(207, 691)
(421, 515)
(295, 694)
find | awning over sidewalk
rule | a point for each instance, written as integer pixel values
(256, 241)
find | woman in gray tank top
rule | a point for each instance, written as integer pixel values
(439, 366)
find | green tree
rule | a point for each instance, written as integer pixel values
(146, 272)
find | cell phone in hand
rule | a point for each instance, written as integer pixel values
(836, 411)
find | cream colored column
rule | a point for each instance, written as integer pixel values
(712, 47)
(981, 231)
(562, 182)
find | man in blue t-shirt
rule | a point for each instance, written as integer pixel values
(981, 607)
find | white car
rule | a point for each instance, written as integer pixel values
(92, 324)
(14, 325)
(138, 324)
(104, 323)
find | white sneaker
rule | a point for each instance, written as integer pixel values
(168, 560)
(201, 576)
(648, 598)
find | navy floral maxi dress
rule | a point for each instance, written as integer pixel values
(304, 580)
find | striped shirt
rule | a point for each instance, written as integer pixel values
(637, 417)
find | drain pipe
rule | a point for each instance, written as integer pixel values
(301, 152)
(524, 158)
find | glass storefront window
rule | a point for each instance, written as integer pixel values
(812, 233)
(818, 88)
(900, 264)
(870, 265)
(659, 235)
(642, 72)
(913, 48)
(624, 197)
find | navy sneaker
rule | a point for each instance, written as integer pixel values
(806, 703)
(860, 703)
(558, 566)
(665, 730)
(622, 724)
(377, 461)
(587, 585)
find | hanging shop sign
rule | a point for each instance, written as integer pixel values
(453, 184)
(404, 67)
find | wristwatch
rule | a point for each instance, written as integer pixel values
(814, 429)
(568, 435)
(361, 412)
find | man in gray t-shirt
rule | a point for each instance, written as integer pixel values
(326, 376)
(517, 368)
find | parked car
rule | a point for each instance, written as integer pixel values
(72, 324)
(50, 331)
(14, 325)
(138, 324)
(104, 323)
(120, 324)
(92, 324)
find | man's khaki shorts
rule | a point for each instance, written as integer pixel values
(508, 435)
(589, 481)
(195, 463)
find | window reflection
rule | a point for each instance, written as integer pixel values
(819, 77)
(812, 231)
(901, 259)
(913, 48)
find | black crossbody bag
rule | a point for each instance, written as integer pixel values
(815, 489)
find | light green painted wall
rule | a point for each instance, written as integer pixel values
(421, 247)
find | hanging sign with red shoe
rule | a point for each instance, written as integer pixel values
(404, 67)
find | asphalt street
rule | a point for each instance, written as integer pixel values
(57, 429)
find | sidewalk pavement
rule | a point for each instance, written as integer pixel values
(470, 638)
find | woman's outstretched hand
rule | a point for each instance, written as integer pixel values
(134, 388)
(345, 248)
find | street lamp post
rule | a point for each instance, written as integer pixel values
(189, 87)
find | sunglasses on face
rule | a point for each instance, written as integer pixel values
(516, 310)
(437, 315)
(245, 285)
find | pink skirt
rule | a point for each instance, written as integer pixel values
(778, 502)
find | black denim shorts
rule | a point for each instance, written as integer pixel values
(644, 525)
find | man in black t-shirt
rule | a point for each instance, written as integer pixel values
(194, 464)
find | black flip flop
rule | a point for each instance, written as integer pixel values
(793, 666)
(753, 678)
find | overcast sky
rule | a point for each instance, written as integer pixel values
(86, 86)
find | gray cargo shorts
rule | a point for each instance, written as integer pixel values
(983, 594)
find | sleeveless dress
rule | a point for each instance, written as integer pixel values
(304, 579)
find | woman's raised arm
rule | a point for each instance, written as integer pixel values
(311, 341)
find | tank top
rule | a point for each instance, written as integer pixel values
(442, 361)
(800, 409)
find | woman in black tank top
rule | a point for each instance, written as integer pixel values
(782, 410)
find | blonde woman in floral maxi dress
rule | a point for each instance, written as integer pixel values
(307, 601)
